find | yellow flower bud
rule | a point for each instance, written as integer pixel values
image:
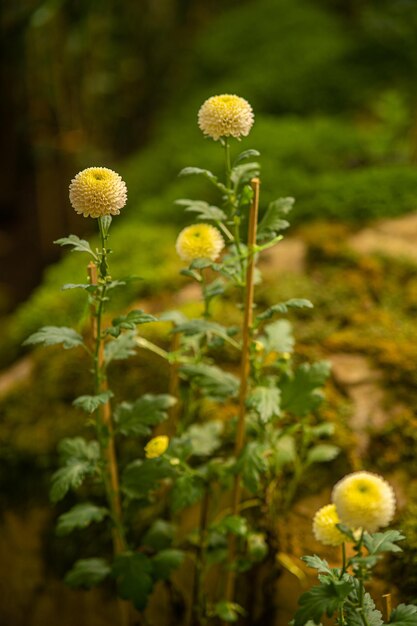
(156, 447)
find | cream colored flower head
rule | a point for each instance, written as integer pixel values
(97, 191)
(364, 500)
(225, 116)
(156, 447)
(324, 526)
(199, 241)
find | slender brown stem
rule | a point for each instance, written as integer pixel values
(244, 380)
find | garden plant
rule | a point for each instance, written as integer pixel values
(237, 430)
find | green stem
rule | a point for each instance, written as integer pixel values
(231, 201)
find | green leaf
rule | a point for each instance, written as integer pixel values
(216, 288)
(81, 459)
(91, 403)
(386, 541)
(205, 438)
(322, 599)
(187, 490)
(272, 222)
(301, 392)
(130, 321)
(265, 401)
(87, 573)
(197, 171)
(121, 348)
(404, 615)
(195, 327)
(235, 524)
(321, 565)
(86, 287)
(252, 464)
(373, 616)
(283, 307)
(243, 173)
(159, 536)
(284, 451)
(228, 611)
(278, 337)
(212, 381)
(204, 210)
(133, 573)
(78, 245)
(165, 562)
(52, 335)
(246, 154)
(257, 546)
(322, 453)
(136, 418)
(80, 516)
(141, 477)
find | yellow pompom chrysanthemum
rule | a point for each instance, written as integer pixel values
(225, 116)
(97, 191)
(324, 526)
(200, 241)
(364, 500)
(156, 447)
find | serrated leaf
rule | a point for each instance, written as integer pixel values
(80, 516)
(272, 222)
(322, 453)
(132, 319)
(265, 401)
(205, 438)
(120, 348)
(159, 536)
(187, 490)
(278, 337)
(136, 418)
(53, 335)
(404, 615)
(301, 392)
(243, 173)
(198, 171)
(246, 154)
(283, 307)
(81, 459)
(204, 210)
(165, 562)
(133, 573)
(386, 541)
(142, 476)
(321, 565)
(195, 327)
(86, 287)
(322, 599)
(91, 403)
(252, 464)
(88, 573)
(373, 616)
(212, 381)
(78, 245)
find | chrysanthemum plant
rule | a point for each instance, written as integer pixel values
(274, 433)
(362, 504)
(243, 468)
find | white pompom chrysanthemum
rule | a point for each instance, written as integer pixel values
(97, 191)
(364, 500)
(225, 116)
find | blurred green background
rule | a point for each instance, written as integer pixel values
(119, 84)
